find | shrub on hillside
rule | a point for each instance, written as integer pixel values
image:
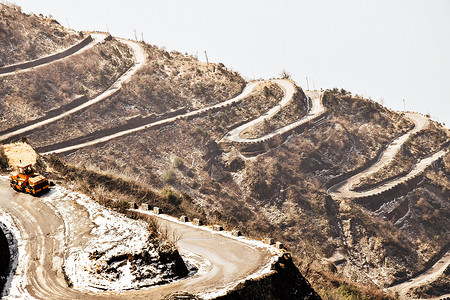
(178, 162)
(3, 158)
(169, 176)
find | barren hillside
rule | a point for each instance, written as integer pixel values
(26, 37)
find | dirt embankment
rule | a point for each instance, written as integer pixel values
(285, 282)
(4, 260)
(20, 153)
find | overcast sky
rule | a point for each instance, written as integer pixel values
(386, 49)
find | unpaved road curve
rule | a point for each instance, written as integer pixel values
(288, 87)
(97, 38)
(344, 189)
(288, 90)
(431, 274)
(247, 90)
(43, 230)
(140, 58)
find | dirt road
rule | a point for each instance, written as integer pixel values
(288, 88)
(19, 68)
(227, 260)
(431, 274)
(140, 58)
(344, 189)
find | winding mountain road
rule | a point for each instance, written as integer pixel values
(344, 188)
(288, 88)
(140, 57)
(431, 274)
(228, 260)
(96, 38)
(247, 90)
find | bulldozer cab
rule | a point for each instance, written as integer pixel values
(28, 181)
(25, 169)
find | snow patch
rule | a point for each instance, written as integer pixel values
(16, 282)
(102, 247)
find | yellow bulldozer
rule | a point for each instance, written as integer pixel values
(26, 180)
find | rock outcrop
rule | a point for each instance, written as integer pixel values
(285, 282)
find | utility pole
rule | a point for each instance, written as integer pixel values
(206, 55)
(135, 36)
(314, 85)
(404, 106)
(142, 35)
(307, 83)
(107, 28)
(68, 25)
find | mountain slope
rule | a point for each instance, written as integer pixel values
(283, 191)
(26, 37)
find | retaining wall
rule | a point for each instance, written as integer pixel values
(50, 114)
(373, 201)
(261, 146)
(47, 59)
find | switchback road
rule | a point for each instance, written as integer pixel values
(431, 274)
(344, 188)
(140, 58)
(288, 87)
(226, 260)
(96, 38)
(247, 90)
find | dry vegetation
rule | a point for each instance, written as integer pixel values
(292, 112)
(281, 193)
(26, 37)
(168, 81)
(27, 96)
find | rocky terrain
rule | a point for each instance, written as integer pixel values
(343, 246)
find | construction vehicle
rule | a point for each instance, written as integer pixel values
(26, 180)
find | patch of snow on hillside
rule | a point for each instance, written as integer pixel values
(16, 282)
(110, 255)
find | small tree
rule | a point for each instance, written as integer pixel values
(285, 75)
(171, 196)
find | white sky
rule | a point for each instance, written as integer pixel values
(380, 49)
